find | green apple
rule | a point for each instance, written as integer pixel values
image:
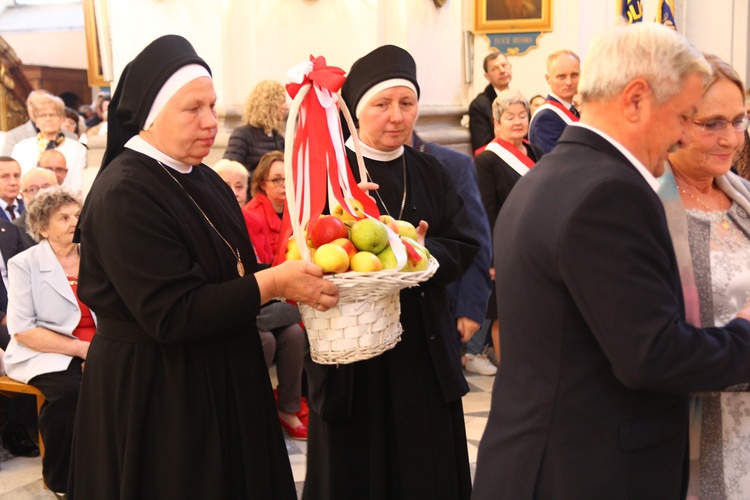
(416, 245)
(332, 258)
(406, 228)
(388, 258)
(365, 262)
(419, 265)
(369, 235)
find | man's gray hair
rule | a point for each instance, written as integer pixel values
(660, 55)
(506, 99)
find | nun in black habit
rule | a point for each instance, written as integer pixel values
(392, 427)
(175, 401)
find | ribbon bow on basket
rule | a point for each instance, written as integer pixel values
(365, 323)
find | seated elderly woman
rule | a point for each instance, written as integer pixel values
(707, 209)
(262, 127)
(50, 328)
(49, 112)
(500, 165)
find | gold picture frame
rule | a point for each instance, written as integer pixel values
(98, 44)
(512, 16)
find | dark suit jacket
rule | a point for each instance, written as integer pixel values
(480, 118)
(546, 128)
(590, 400)
(11, 243)
(469, 294)
(20, 208)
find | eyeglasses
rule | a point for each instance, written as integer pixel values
(47, 115)
(278, 181)
(719, 126)
(35, 189)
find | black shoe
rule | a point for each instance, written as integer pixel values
(17, 441)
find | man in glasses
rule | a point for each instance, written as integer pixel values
(591, 397)
(28, 129)
(54, 161)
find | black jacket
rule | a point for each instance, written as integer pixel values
(247, 144)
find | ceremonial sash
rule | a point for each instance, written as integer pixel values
(564, 114)
(511, 155)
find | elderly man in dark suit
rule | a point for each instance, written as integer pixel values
(590, 400)
(19, 411)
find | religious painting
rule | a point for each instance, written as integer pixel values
(98, 43)
(512, 16)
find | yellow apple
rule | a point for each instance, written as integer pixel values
(406, 228)
(370, 235)
(332, 258)
(365, 262)
(342, 213)
(390, 222)
(292, 250)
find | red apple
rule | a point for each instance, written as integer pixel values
(326, 229)
(346, 245)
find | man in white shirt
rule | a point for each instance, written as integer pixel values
(11, 206)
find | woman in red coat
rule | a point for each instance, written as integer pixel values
(280, 333)
(269, 195)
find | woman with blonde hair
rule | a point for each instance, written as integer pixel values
(262, 131)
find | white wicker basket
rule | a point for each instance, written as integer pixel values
(365, 323)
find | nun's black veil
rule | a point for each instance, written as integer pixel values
(139, 85)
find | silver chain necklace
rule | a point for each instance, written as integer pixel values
(235, 251)
(403, 198)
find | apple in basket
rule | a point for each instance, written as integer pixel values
(418, 257)
(292, 250)
(326, 229)
(390, 222)
(369, 235)
(365, 262)
(346, 245)
(340, 213)
(417, 264)
(388, 258)
(406, 228)
(331, 258)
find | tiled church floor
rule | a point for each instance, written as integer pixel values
(20, 478)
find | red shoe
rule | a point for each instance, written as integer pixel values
(299, 432)
(304, 411)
